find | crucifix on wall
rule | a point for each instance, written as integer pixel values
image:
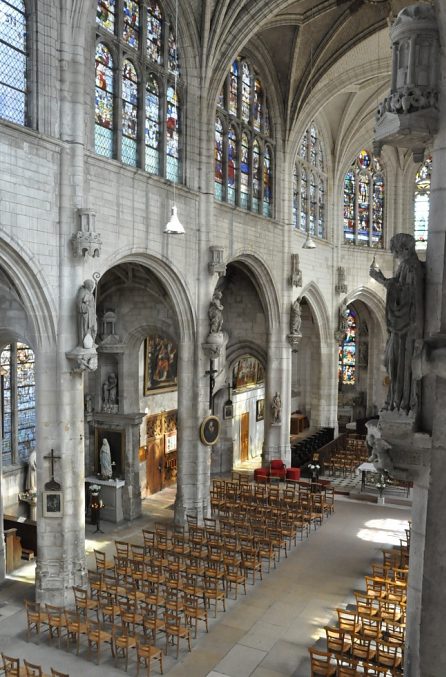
(52, 485)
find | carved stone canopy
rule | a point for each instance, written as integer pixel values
(86, 241)
(216, 261)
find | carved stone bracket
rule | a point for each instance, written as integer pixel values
(294, 340)
(213, 345)
(86, 241)
(83, 359)
(216, 261)
(341, 284)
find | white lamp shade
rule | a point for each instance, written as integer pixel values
(309, 243)
(174, 225)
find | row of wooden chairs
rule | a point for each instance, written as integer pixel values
(13, 668)
(325, 664)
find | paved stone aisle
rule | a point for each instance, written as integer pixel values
(266, 633)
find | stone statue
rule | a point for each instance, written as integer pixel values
(295, 278)
(88, 404)
(110, 393)
(86, 307)
(30, 482)
(405, 318)
(379, 448)
(295, 318)
(105, 460)
(276, 408)
(215, 313)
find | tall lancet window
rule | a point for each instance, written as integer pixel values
(421, 203)
(364, 202)
(309, 185)
(243, 147)
(138, 113)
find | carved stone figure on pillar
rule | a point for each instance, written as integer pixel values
(110, 394)
(215, 313)
(87, 323)
(379, 449)
(295, 318)
(30, 483)
(405, 319)
(276, 409)
(105, 460)
(342, 322)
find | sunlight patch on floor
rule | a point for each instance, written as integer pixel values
(385, 531)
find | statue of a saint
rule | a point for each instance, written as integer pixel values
(276, 408)
(30, 482)
(405, 319)
(295, 318)
(105, 460)
(379, 449)
(215, 313)
(110, 393)
(86, 307)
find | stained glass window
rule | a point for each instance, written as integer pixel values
(105, 14)
(309, 185)
(129, 113)
(154, 31)
(13, 61)
(364, 202)
(138, 116)
(347, 351)
(104, 102)
(152, 130)
(18, 403)
(421, 203)
(245, 149)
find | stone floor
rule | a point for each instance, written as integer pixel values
(266, 633)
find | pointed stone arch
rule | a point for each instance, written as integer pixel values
(260, 274)
(373, 301)
(313, 296)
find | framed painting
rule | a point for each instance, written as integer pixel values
(228, 410)
(160, 364)
(260, 410)
(210, 430)
(52, 503)
(247, 373)
(116, 441)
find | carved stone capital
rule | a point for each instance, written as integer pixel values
(83, 359)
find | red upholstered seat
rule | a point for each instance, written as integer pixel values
(277, 468)
(261, 474)
(293, 473)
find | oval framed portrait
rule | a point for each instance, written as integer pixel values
(210, 430)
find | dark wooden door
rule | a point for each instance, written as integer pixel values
(155, 465)
(244, 436)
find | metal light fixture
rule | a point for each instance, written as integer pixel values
(174, 225)
(309, 242)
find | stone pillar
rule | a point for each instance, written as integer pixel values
(193, 458)
(60, 426)
(2, 536)
(278, 380)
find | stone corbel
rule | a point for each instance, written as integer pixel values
(216, 261)
(294, 340)
(83, 359)
(86, 241)
(213, 345)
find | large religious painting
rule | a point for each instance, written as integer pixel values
(160, 364)
(247, 373)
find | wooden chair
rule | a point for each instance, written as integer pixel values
(371, 670)
(337, 643)
(146, 653)
(361, 648)
(11, 667)
(214, 592)
(57, 622)
(101, 562)
(32, 670)
(76, 626)
(174, 628)
(83, 603)
(348, 621)
(389, 656)
(35, 618)
(234, 576)
(347, 667)
(96, 638)
(194, 612)
(251, 563)
(321, 663)
(122, 548)
(149, 538)
(152, 622)
(122, 642)
(56, 673)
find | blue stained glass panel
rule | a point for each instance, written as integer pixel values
(218, 159)
(233, 88)
(130, 32)
(256, 173)
(154, 31)
(104, 101)
(246, 92)
(152, 126)
(13, 62)
(295, 197)
(105, 14)
(349, 206)
(172, 55)
(257, 106)
(232, 164)
(129, 113)
(172, 140)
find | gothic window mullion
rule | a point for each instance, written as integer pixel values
(141, 146)
(118, 107)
